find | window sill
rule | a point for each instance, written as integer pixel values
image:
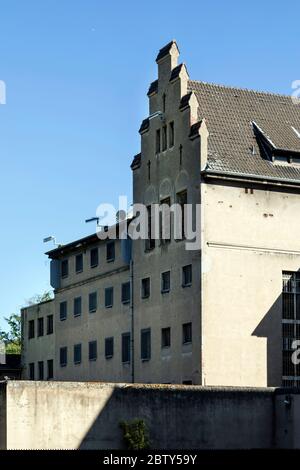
(125, 302)
(79, 272)
(93, 360)
(110, 260)
(186, 285)
(93, 311)
(124, 363)
(108, 306)
(109, 357)
(94, 266)
(146, 359)
(63, 365)
(77, 363)
(187, 343)
(146, 298)
(63, 319)
(165, 291)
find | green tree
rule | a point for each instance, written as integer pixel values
(38, 298)
(12, 337)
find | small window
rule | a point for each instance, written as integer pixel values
(64, 268)
(186, 333)
(63, 306)
(158, 141)
(165, 337)
(110, 251)
(77, 353)
(93, 302)
(125, 293)
(146, 288)
(63, 356)
(50, 369)
(41, 370)
(171, 134)
(94, 257)
(77, 306)
(181, 199)
(79, 263)
(146, 344)
(92, 350)
(109, 347)
(165, 220)
(187, 275)
(41, 326)
(165, 282)
(109, 297)
(31, 329)
(150, 241)
(49, 324)
(164, 138)
(31, 371)
(125, 347)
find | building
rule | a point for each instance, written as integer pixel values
(225, 313)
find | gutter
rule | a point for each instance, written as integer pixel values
(250, 178)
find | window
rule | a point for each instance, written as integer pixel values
(146, 344)
(79, 263)
(94, 257)
(150, 242)
(125, 298)
(31, 371)
(164, 138)
(157, 145)
(109, 297)
(165, 220)
(65, 268)
(31, 329)
(63, 356)
(186, 333)
(187, 275)
(171, 134)
(77, 306)
(49, 324)
(93, 302)
(146, 288)
(41, 370)
(63, 310)
(165, 282)
(126, 347)
(50, 369)
(109, 347)
(77, 353)
(92, 350)
(166, 337)
(181, 199)
(110, 251)
(41, 326)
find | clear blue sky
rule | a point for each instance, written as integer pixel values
(77, 73)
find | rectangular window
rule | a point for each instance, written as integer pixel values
(79, 263)
(93, 302)
(125, 347)
(41, 370)
(164, 138)
(92, 350)
(41, 326)
(187, 275)
(165, 220)
(157, 146)
(64, 268)
(31, 329)
(49, 324)
(31, 371)
(109, 297)
(109, 347)
(110, 251)
(125, 293)
(63, 307)
(181, 199)
(50, 369)
(150, 242)
(63, 356)
(77, 306)
(77, 353)
(146, 288)
(165, 282)
(171, 134)
(186, 333)
(165, 337)
(94, 257)
(146, 344)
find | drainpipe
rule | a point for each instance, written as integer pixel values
(132, 321)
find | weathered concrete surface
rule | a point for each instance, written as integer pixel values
(69, 415)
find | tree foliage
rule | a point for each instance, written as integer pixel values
(12, 337)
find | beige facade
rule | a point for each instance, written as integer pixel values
(201, 145)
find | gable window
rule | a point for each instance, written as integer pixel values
(64, 268)
(146, 344)
(125, 293)
(157, 143)
(110, 251)
(41, 370)
(181, 199)
(77, 306)
(109, 347)
(94, 257)
(63, 356)
(41, 326)
(50, 369)
(125, 347)
(31, 329)
(171, 134)
(49, 324)
(92, 350)
(187, 275)
(92, 302)
(165, 220)
(79, 263)
(165, 282)
(186, 333)
(31, 371)
(63, 307)
(77, 353)
(164, 138)
(109, 297)
(145, 288)
(165, 337)
(150, 241)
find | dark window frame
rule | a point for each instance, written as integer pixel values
(145, 295)
(126, 292)
(63, 356)
(93, 309)
(50, 372)
(40, 327)
(63, 310)
(64, 268)
(93, 352)
(50, 324)
(31, 366)
(79, 265)
(31, 329)
(187, 328)
(185, 282)
(146, 346)
(77, 312)
(166, 337)
(171, 134)
(109, 347)
(165, 289)
(77, 353)
(110, 256)
(94, 257)
(109, 297)
(41, 370)
(126, 348)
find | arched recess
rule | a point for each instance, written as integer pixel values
(165, 189)
(150, 196)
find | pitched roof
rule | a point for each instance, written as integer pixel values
(234, 146)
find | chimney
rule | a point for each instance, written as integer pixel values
(167, 60)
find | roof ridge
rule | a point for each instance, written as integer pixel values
(220, 85)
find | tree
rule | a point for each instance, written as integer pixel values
(12, 337)
(38, 298)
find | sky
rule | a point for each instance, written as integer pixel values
(76, 75)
